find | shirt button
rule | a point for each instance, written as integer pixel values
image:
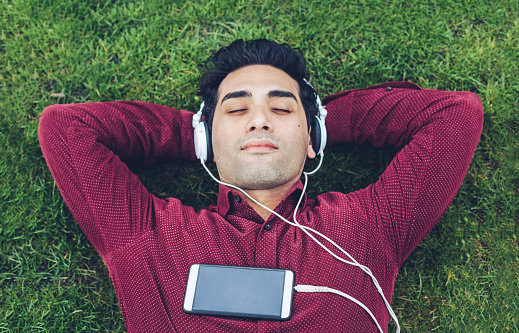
(389, 88)
(237, 198)
(267, 227)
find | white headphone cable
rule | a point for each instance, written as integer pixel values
(303, 288)
(354, 263)
(306, 229)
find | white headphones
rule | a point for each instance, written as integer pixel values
(319, 134)
(204, 150)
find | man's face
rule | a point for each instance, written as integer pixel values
(259, 132)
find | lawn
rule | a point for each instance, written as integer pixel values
(463, 277)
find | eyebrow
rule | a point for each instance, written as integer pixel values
(237, 94)
(281, 93)
(270, 94)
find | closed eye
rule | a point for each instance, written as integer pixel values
(237, 111)
(282, 110)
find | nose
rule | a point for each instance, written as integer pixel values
(260, 119)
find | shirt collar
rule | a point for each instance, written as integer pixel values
(232, 202)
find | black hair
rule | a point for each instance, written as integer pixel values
(254, 52)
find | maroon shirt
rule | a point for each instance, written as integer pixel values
(149, 243)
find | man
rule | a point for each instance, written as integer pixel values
(257, 109)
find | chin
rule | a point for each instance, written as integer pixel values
(262, 179)
(261, 173)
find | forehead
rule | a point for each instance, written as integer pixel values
(259, 80)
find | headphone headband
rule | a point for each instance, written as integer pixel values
(198, 116)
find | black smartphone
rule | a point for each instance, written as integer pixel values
(262, 293)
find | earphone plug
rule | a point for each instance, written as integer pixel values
(305, 288)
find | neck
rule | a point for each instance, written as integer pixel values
(269, 198)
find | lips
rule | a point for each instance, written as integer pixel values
(260, 145)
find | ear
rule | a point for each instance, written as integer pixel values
(311, 153)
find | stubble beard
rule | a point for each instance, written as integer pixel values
(262, 177)
(259, 171)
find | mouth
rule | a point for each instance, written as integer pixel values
(259, 146)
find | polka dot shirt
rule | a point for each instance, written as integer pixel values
(148, 244)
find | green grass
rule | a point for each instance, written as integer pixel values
(464, 277)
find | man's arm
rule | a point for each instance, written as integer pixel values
(84, 144)
(438, 132)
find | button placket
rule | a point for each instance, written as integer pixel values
(266, 245)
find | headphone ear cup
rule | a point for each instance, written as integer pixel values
(203, 147)
(209, 143)
(319, 135)
(316, 134)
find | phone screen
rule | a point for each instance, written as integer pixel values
(241, 291)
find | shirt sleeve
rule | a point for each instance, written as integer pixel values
(437, 131)
(85, 146)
